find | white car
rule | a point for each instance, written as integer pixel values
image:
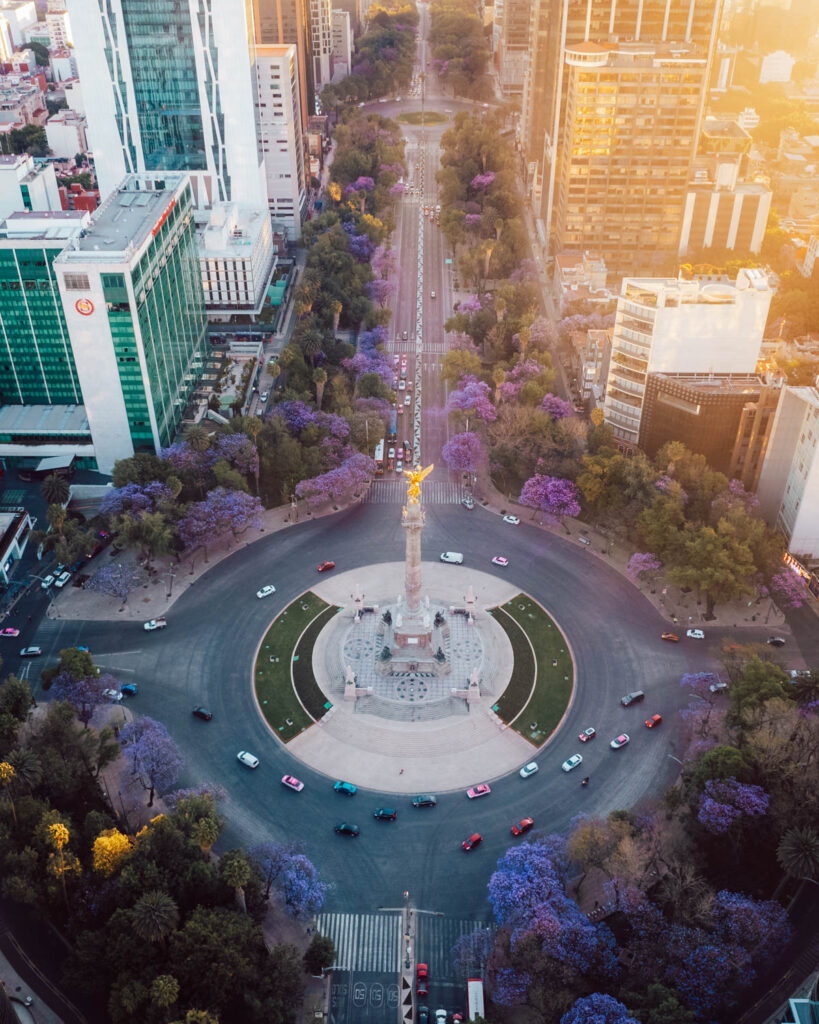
(619, 741)
(572, 762)
(695, 634)
(407, 398)
(402, 385)
(47, 581)
(440, 1017)
(452, 557)
(153, 624)
(247, 759)
(500, 560)
(399, 466)
(528, 769)
(266, 591)
(512, 520)
(113, 695)
(263, 396)
(432, 295)
(62, 579)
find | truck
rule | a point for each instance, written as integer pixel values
(392, 436)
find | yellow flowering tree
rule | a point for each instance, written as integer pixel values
(7, 776)
(62, 862)
(111, 850)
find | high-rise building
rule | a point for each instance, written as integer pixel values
(603, 76)
(132, 297)
(668, 325)
(237, 259)
(321, 42)
(281, 135)
(169, 87)
(789, 484)
(26, 185)
(342, 42)
(281, 22)
(513, 45)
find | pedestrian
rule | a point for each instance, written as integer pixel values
(401, 772)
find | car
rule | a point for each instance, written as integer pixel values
(407, 399)
(424, 800)
(405, 335)
(402, 385)
(423, 1015)
(153, 624)
(422, 980)
(654, 721)
(395, 383)
(469, 844)
(325, 566)
(512, 520)
(31, 652)
(619, 741)
(202, 713)
(62, 579)
(346, 829)
(695, 634)
(385, 813)
(46, 582)
(263, 397)
(390, 453)
(500, 560)
(440, 1015)
(776, 641)
(129, 689)
(9, 631)
(292, 783)
(452, 557)
(522, 826)
(432, 295)
(113, 695)
(572, 762)
(795, 674)
(399, 466)
(484, 789)
(671, 637)
(83, 648)
(361, 104)
(587, 734)
(266, 591)
(395, 359)
(404, 361)
(719, 687)
(632, 698)
(247, 759)
(347, 788)
(409, 385)
(468, 503)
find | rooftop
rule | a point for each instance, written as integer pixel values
(231, 231)
(724, 129)
(43, 225)
(44, 419)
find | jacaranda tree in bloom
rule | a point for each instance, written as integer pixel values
(472, 397)
(642, 562)
(555, 497)
(463, 452)
(598, 1008)
(153, 755)
(336, 485)
(724, 801)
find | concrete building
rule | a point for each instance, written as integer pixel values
(20, 15)
(342, 43)
(65, 132)
(236, 259)
(789, 484)
(21, 101)
(595, 358)
(281, 135)
(721, 210)
(513, 45)
(59, 30)
(580, 277)
(667, 325)
(321, 42)
(809, 262)
(15, 526)
(26, 185)
(280, 23)
(132, 296)
(63, 65)
(168, 87)
(776, 67)
(621, 115)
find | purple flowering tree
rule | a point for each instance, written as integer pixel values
(472, 304)
(472, 398)
(152, 754)
(473, 220)
(788, 589)
(350, 477)
(527, 876)
(724, 801)
(117, 579)
(554, 496)
(598, 1008)
(84, 694)
(384, 263)
(760, 928)
(361, 248)
(520, 374)
(642, 563)
(481, 182)
(558, 408)
(463, 452)
(381, 291)
(223, 513)
(240, 452)
(187, 460)
(509, 987)
(470, 954)
(527, 270)
(303, 891)
(136, 499)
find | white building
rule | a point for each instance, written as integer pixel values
(748, 119)
(73, 96)
(171, 93)
(665, 325)
(63, 65)
(237, 259)
(789, 483)
(776, 67)
(321, 42)
(278, 109)
(65, 132)
(20, 15)
(25, 185)
(59, 30)
(342, 43)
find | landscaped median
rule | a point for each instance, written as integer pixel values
(286, 689)
(428, 117)
(539, 691)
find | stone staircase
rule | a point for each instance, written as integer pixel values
(397, 711)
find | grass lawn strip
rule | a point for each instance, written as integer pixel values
(277, 698)
(517, 694)
(429, 117)
(555, 671)
(312, 697)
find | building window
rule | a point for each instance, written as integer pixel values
(76, 282)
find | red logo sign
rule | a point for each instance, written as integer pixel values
(85, 307)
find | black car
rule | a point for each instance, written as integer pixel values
(424, 800)
(423, 1015)
(345, 829)
(202, 713)
(632, 698)
(776, 641)
(384, 813)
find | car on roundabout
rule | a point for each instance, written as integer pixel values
(619, 741)
(484, 789)
(153, 624)
(512, 520)
(776, 641)
(202, 713)
(654, 721)
(114, 696)
(9, 631)
(572, 762)
(587, 734)
(452, 557)
(347, 788)
(695, 634)
(500, 560)
(522, 826)
(292, 783)
(670, 637)
(325, 566)
(385, 814)
(472, 841)
(346, 829)
(31, 652)
(247, 759)
(424, 800)
(266, 591)
(129, 689)
(528, 769)
(468, 503)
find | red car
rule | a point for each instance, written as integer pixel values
(670, 636)
(587, 734)
(422, 980)
(326, 566)
(522, 826)
(472, 842)
(654, 720)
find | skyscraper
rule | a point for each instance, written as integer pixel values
(603, 76)
(169, 87)
(513, 48)
(280, 22)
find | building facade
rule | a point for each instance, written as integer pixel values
(132, 296)
(26, 185)
(664, 325)
(513, 45)
(236, 258)
(342, 43)
(321, 42)
(280, 23)
(169, 87)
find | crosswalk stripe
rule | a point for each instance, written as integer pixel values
(394, 492)
(364, 942)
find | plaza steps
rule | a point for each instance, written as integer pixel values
(422, 711)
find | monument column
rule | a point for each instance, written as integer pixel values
(413, 522)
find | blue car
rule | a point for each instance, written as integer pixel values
(347, 788)
(129, 689)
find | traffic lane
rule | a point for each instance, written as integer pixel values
(366, 997)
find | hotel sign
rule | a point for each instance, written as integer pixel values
(164, 217)
(85, 307)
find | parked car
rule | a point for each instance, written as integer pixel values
(62, 579)
(482, 790)
(129, 689)
(522, 826)
(153, 624)
(202, 713)
(632, 698)
(346, 829)
(619, 741)
(347, 788)
(31, 652)
(292, 783)
(572, 762)
(586, 735)
(654, 721)
(774, 641)
(718, 687)
(113, 695)
(424, 800)
(46, 582)
(512, 520)
(472, 841)
(247, 759)
(266, 591)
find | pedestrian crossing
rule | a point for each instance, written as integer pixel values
(434, 939)
(394, 492)
(435, 348)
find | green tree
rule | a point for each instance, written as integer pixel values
(164, 991)
(759, 682)
(457, 363)
(722, 762)
(319, 379)
(55, 489)
(716, 562)
(319, 955)
(154, 916)
(798, 853)
(658, 1005)
(234, 868)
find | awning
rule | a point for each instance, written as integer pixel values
(54, 462)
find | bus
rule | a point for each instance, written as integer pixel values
(379, 458)
(474, 992)
(393, 431)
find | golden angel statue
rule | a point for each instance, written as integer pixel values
(415, 476)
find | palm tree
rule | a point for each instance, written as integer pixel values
(197, 437)
(336, 307)
(319, 379)
(798, 853)
(27, 766)
(205, 832)
(498, 377)
(164, 991)
(56, 516)
(154, 916)
(235, 870)
(55, 489)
